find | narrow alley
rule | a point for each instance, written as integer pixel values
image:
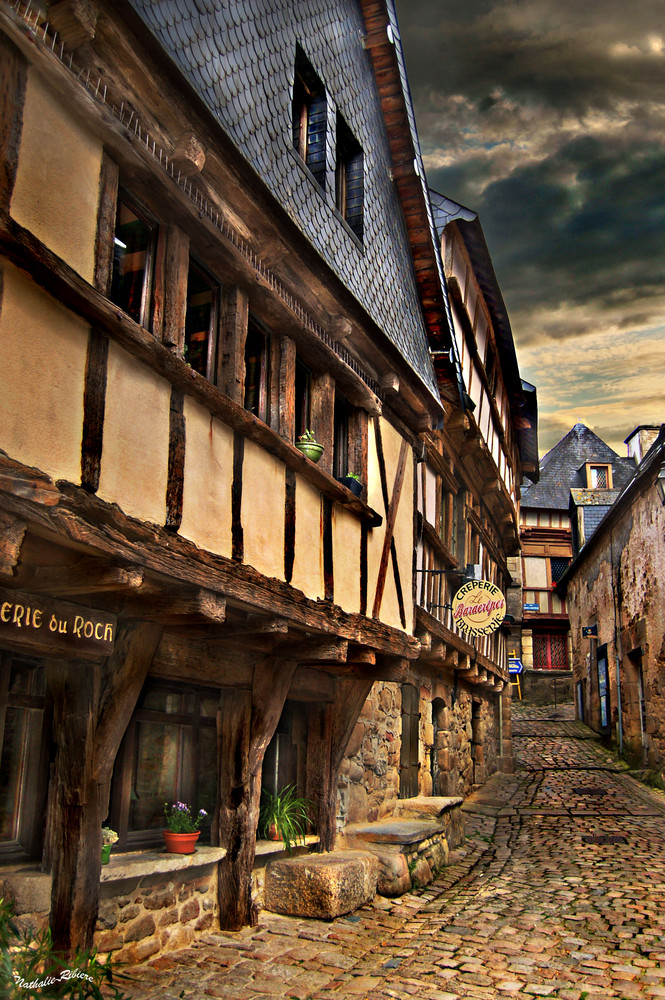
(558, 892)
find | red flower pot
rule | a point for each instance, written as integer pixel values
(181, 843)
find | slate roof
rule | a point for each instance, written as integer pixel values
(239, 56)
(562, 469)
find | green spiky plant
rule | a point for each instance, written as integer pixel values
(288, 813)
(31, 969)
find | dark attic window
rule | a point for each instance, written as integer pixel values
(349, 179)
(309, 118)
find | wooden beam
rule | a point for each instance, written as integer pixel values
(12, 532)
(233, 335)
(177, 607)
(92, 705)
(94, 408)
(13, 80)
(323, 408)
(390, 528)
(86, 520)
(245, 728)
(85, 576)
(323, 650)
(170, 287)
(360, 654)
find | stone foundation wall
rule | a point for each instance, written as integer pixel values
(154, 915)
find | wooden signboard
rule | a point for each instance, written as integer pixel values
(38, 624)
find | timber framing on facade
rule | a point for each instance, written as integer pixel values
(201, 259)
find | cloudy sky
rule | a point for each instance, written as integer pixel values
(547, 117)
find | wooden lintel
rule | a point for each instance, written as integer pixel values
(392, 668)
(12, 532)
(309, 684)
(87, 576)
(179, 607)
(316, 650)
(256, 625)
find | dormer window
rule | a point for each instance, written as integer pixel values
(310, 118)
(599, 477)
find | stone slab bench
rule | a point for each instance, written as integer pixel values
(323, 886)
(412, 845)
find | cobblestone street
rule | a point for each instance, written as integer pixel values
(559, 892)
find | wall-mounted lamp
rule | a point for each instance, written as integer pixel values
(660, 483)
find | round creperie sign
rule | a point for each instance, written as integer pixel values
(479, 607)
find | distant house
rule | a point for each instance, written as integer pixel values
(580, 478)
(615, 593)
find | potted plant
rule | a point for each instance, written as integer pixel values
(284, 816)
(309, 446)
(183, 828)
(352, 482)
(109, 837)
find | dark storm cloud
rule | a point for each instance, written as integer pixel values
(547, 117)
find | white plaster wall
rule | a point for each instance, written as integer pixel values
(206, 512)
(136, 438)
(57, 183)
(43, 350)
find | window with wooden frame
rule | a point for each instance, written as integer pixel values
(201, 321)
(349, 177)
(257, 370)
(168, 754)
(303, 398)
(341, 438)
(309, 118)
(599, 477)
(558, 566)
(24, 762)
(133, 260)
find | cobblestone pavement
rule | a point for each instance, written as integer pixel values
(559, 892)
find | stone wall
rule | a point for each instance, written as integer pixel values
(546, 687)
(150, 915)
(459, 747)
(619, 586)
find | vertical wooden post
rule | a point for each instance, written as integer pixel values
(233, 335)
(170, 287)
(92, 706)
(246, 722)
(283, 388)
(329, 748)
(357, 447)
(74, 812)
(323, 417)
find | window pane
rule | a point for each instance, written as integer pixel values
(201, 296)
(14, 760)
(132, 245)
(256, 373)
(160, 760)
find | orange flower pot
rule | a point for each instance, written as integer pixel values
(181, 843)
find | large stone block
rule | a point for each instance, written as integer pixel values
(321, 885)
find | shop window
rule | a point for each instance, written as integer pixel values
(549, 651)
(257, 371)
(310, 118)
(23, 766)
(201, 321)
(349, 177)
(133, 259)
(168, 754)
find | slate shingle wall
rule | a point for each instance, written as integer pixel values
(240, 57)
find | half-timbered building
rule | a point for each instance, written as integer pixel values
(215, 237)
